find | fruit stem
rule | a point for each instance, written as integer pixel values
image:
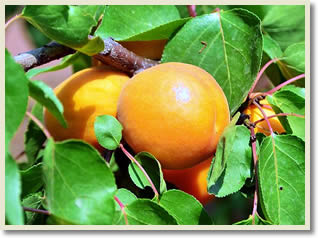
(280, 115)
(39, 124)
(12, 20)
(29, 209)
(285, 83)
(191, 10)
(260, 73)
(141, 168)
(255, 159)
(265, 117)
(122, 208)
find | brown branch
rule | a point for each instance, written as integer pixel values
(120, 58)
(113, 54)
(42, 55)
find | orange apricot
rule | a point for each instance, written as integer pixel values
(192, 180)
(175, 111)
(262, 127)
(85, 95)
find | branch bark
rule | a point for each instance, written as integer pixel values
(114, 54)
(42, 55)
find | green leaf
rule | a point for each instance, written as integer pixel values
(147, 212)
(232, 54)
(257, 221)
(66, 61)
(34, 201)
(231, 165)
(271, 47)
(126, 197)
(34, 137)
(290, 99)
(81, 62)
(200, 9)
(13, 208)
(153, 168)
(38, 38)
(69, 25)
(16, 97)
(80, 187)
(285, 23)
(184, 208)
(293, 60)
(31, 179)
(108, 131)
(141, 22)
(45, 95)
(282, 179)
(112, 163)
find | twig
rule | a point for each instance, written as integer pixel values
(42, 55)
(12, 20)
(280, 115)
(113, 54)
(260, 73)
(191, 10)
(116, 55)
(285, 83)
(122, 208)
(29, 209)
(39, 124)
(141, 168)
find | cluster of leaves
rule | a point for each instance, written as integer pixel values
(73, 181)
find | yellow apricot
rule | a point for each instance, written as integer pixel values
(86, 95)
(262, 127)
(192, 180)
(175, 111)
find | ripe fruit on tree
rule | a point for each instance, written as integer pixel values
(192, 180)
(148, 49)
(262, 127)
(175, 111)
(86, 95)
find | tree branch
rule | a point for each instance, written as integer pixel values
(42, 55)
(119, 57)
(113, 54)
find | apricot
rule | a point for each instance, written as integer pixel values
(148, 49)
(192, 180)
(175, 111)
(85, 95)
(262, 127)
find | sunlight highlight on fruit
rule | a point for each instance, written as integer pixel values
(175, 111)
